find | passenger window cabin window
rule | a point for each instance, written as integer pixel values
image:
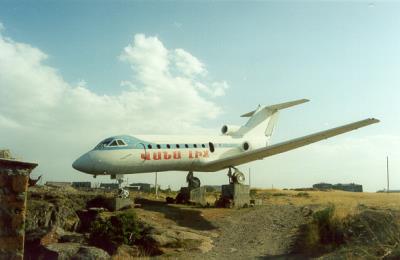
(168, 146)
(212, 148)
(177, 146)
(120, 142)
(158, 146)
(149, 146)
(195, 145)
(187, 146)
(203, 145)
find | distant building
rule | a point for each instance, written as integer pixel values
(348, 187)
(109, 186)
(390, 191)
(345, 187)
(323, 186)
(58, 184)
(145, 187)
(81, 184)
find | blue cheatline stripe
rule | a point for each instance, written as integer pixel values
(135, 143)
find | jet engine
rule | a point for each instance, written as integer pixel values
(229, 129)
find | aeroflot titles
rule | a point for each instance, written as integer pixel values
(175, 155)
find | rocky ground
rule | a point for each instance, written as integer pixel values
(58, 227)
(265, 231)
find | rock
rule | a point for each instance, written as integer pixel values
(88, 252)
(126, 252)
(63, 250)
(163, 240)
(306, 211)
(72, 237)
(74, 251)
(43, 215)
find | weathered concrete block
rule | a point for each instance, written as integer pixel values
(115, 204)
(194, 195)
(198, 195)
(238, 193)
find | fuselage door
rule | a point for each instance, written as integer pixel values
(144, 155)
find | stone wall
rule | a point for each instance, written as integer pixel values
(14, 177)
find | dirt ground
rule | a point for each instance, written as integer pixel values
(258, 232)
(261, 232)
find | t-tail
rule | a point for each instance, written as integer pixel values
(262, 121)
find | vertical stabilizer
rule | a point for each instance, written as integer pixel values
(263, 120)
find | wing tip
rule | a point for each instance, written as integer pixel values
(373, 120)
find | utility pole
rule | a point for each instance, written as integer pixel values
(249, 177)
(156, 186)
(387, 173)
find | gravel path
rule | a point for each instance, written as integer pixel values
(262, 232)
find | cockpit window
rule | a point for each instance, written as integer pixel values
(113, 143)
(120, 142)
(104, 143)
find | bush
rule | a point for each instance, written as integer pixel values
(324, 233)
(97, 202)
(303, 194)
(109, 233)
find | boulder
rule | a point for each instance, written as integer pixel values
(74, 251)
(44, 215)
(167, 238)
(126, 252)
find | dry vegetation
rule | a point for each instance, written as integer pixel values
(344, 224)
(346, 203)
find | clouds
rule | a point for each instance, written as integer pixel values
(163, 88)
(161, 96)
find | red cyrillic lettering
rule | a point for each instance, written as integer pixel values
(157, 156)
(167, 156)
(177, 155)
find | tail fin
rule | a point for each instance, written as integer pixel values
(263, 120)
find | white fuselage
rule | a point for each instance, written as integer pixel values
(237, 145)
(147, 153)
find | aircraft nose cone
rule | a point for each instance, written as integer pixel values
(83, 163)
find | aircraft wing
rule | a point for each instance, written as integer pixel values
(261, 153)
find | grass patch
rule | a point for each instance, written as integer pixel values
(279, 194)
(323, 234)
(116, 230)
(371, 233)
(302, 194)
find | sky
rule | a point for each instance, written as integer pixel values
(75, 72)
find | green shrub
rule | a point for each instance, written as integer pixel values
(322, 234)
(279, 194)
(303, 194)
(111, 232)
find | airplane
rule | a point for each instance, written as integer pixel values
(236, 145)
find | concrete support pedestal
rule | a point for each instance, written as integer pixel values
(14, 177)
(235, 195)
(116, 204)
(193, 195)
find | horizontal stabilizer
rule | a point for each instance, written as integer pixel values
(261, 153)
(277, 106)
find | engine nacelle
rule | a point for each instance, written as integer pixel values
(229, 129)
